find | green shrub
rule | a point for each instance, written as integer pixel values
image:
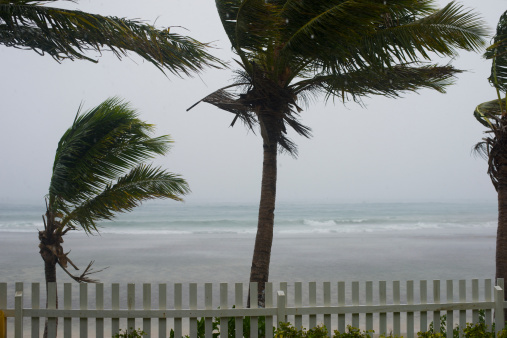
(130, 333)
(478, 330)
(286, 330)
(231, 326)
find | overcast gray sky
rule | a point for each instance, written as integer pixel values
(417, 148)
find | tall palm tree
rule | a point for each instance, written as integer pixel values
(493, 115)
(69, 34)
(99, 171)
(290, 51)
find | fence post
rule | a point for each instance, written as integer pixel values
(280, 302)
(499, 317)
(18, 314)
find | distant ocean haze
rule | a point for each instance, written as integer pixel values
(176, 242)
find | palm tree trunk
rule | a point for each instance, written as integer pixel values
(262, 251)
(50, 274)
(50, 261)
(501, 237)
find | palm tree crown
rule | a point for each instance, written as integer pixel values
(292, 51)
(69, 34)
(99, 171)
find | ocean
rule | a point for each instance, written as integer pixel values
(213, 242)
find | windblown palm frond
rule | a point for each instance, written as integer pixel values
(98, 168)
(339, 48)
(488, 111)
(498, 53)
(141, 183)
(390, 82)
(69, 34)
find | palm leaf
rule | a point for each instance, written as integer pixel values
(390, 82)
(101, 145)
(69, 34)
(489, 110)
(379, 33)
(228, 12)
(142, 183)
(498, 52)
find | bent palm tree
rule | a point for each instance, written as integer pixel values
(99, 171)
(493, 115)
(293, 50)
(68, 34)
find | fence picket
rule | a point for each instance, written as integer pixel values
(436, 300)
(162, 305)
(224, 304)
(147, 306)
(462, 299)
(131, 305)
(99, 305)
(35, 322)
(423, 296)
(410, 315)
(369, 301)
(115, 305)
(280, 302)
(208, 305)
(382, 289)
(327, 302)
(450, 313)
(67, 305)
(312, 291)
(269, 304)
(475, 298)
(499, 304)
(396, 315)
(355, 301)
(18, 309)
(178, 303)
(298, 302)
(192, 292)
(238, 299)
(254, 304)
(83, 305)
(51, 300)
(488, 288)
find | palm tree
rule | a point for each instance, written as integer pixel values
(291, 51)
(69, 34)
(98, 172)
(493, 115)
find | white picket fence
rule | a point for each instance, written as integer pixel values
(405, 311)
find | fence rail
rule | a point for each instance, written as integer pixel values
(337, 307)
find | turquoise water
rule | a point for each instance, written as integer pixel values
(176, 242)
(179, 218)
